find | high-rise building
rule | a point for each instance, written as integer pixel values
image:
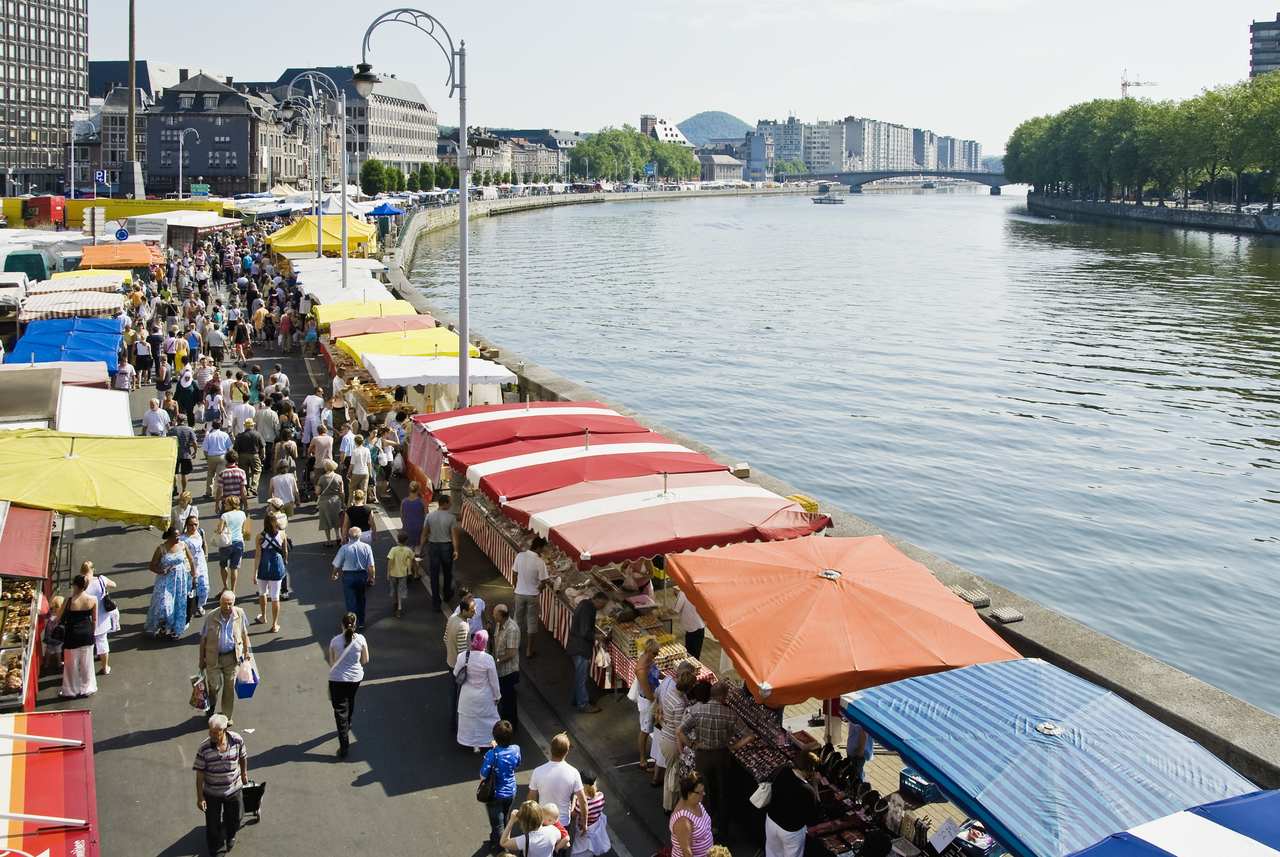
(43, 82)
(874, 145)
(788, 137)
(662, 130)
(760, 155)
(824, 147)
(924, 148)
(1264, 46)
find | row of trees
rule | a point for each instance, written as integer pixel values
(793, 168)
(377, 177)
(1130, 147)
(621, 153)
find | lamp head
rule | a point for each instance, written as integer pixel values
(364, 79)
(287, 112)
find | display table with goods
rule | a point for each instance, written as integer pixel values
(24, 605)
(622, 623)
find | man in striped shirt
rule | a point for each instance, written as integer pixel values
(221, 766)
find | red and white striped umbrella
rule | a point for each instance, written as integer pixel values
(510, 471)
(487, 425)
(597, 523)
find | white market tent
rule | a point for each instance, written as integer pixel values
(87, 410)
(393, 370)
(92, 373)
(330, 291)
(312, 264)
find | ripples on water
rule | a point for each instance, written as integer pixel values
(1086, 414)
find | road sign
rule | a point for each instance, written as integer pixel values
(100, 176)
(651, 168)
(199, 190)
(122, 234)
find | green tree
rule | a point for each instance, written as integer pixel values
(427, 177)
(411, 183)
(373, 179)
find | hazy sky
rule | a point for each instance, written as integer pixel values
(970, 68)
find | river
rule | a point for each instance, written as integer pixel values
(1086, 414)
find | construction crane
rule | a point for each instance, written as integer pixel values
(1125, 83)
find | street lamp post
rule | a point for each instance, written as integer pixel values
(182, 136)
(364, 81)
(324, 89)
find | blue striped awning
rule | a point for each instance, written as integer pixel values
(1247, 826)
(1049, 762)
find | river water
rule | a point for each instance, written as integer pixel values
(1087, 414)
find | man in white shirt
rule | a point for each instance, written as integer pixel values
(560, 783)
(280, 379)
(361, 461)
(239, 414)
(695, 630)
(155, 422)
(531, 578)
(125, 375)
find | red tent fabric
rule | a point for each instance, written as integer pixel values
(24, 542)
(510, 471)
(381, 324)
(597, 523)
(816, 618)
(486, 425)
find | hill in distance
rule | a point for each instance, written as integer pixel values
(712, 124)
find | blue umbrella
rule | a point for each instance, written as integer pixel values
(1049, 762)
(386, 209)
(1246, 826)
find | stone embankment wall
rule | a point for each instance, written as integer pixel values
(1225, 221)
(1244, 736)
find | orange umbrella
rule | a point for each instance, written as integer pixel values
(818, 617)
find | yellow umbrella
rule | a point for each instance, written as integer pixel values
(435, 342)
(126, 479)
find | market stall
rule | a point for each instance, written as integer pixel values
(357, 307)
(78, 340)
(300, 236)
(1248, 826)
(1047, 762)
(386, 323)
(84, 410)
(433, 342)
(512, 471)
(131, 256)
(431, 383)
(127, 479)
(48, 793)
(124, 278)
(78, 373)
(104, 283)
(25, 589)
(77, 304)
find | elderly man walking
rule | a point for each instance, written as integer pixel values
(222, 768)
(224, 643)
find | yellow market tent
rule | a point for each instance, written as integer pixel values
(436, 342)
(326, 313)
(300, 236)
(125, 277)
(126, 479)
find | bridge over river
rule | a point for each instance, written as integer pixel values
(856, 179)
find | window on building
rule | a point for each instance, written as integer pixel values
(186, 102)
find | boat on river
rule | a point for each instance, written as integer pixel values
(828, 199)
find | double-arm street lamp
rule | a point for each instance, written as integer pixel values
(182, 136)
(364, 81)
(324, 102)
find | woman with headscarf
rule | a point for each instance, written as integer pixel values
(478, 694)
(187, 395)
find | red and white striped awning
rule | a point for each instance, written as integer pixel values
(487, 425)
(606, 521)
(510, 471)
(70, 305)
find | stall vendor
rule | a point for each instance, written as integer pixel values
(637, 576)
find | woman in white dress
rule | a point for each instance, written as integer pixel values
(478, 695)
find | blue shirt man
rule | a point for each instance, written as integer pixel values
(356, 565)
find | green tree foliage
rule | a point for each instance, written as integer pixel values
(1101, 148)
(427, 177)
(373, 177)
(621, 153)
(789, 168)
(411, 183)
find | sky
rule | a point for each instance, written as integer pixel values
(968, 68)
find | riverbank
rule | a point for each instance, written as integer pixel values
(1218, 221)
(1240, 733)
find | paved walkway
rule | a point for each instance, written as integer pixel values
(406, 786)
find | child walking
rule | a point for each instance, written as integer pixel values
(399, 565)
(596, 840)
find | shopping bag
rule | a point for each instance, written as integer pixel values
(246, 678)
(762, 795)
(199, 693)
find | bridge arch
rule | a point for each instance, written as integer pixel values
(855, 179)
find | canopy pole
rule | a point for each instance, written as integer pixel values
(587, 435)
